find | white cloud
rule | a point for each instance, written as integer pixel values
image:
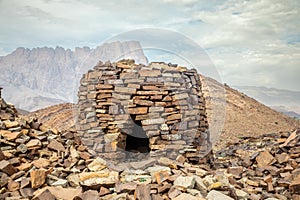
(251, 42)
(184, 2)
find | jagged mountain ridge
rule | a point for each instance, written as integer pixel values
(40, 77)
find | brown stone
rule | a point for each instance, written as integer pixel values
(161, 176)
(84, 155)
(138, 110)
(125, 187)
(295, 186)
(10, 124)
(167, 162)
(10, 135)
(27, 192)
(174, 117)
(185, 196)
(142, 192)
(162, 188)
(180, 96)
(264, 159)
(143, 102)
(153, 121)
(89, 195)
(289, 139)
(104, 191)
(104, 86)
(150, 73)
(2, 156)
(57, 146)
(6, 167)
(37, 178)
(17, 175)
(156, 197)
(150, 87)
(282, 158)
(41, 163)
(13, 186)
(236, 171)
(252, 183)
(125, 90)
(146, 92)
(24, 166)
(61, 193)
(173, 192)
(295, 197)
(34, 143)
(46, 194)
(25, 182)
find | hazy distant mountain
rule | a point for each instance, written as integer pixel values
(40, 77)
(285, 101)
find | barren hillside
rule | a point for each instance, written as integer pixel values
(244, 116)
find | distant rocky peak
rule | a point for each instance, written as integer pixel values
(45, 76)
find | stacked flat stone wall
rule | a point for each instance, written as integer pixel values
(160, 102)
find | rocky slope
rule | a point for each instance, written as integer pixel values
(244, 116)
(288, 102)
(40, 77)
(38, 162)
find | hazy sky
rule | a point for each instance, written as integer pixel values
(250, 42)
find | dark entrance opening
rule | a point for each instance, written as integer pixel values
(137, 141)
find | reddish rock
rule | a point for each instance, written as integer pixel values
(104, 191)
(6, 167)
(264, 159)
(88, 195)
(13, 185)
(44, 195)
(57, 146)
(2, 157)
(236, 171)
(37, 178)
(295, 186)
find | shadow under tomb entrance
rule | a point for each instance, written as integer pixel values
(137, 141)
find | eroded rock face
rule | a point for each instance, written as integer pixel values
(157, 108)
(39, 77)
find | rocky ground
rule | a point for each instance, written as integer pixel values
(41, 163)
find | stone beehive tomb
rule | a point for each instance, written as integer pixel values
(129, 109)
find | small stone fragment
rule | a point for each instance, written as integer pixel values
(97, 165)
(185, 182)
(46, 194)
(57, 146)
(142, 192)
(264, 159)
(185, 196)
(6, 167)
(216, 195)
(295, 186)
(34, 143)
(89, 195)
(37, 178)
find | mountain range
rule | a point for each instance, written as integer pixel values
(40, 77)
(45, 80)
